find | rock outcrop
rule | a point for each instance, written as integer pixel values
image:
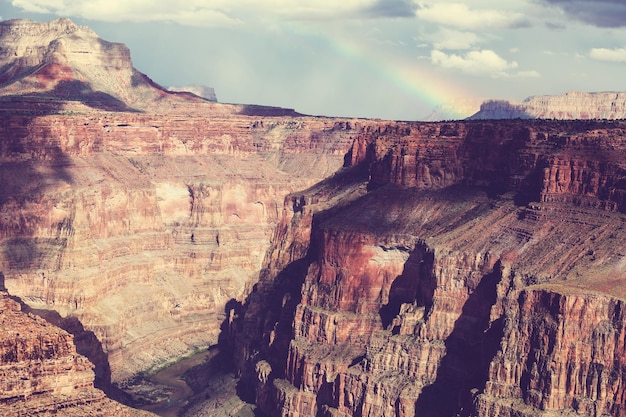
(568, 106)
(454, 268)
(61, 60)
(42, 374)
(141, 226)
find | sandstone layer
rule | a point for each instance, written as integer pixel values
(144, 226)
(140, 225)
(41, 372)
(459, 268)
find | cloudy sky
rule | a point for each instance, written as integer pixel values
(392, 59)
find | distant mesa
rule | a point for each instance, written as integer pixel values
(207, 93)
(569, 106)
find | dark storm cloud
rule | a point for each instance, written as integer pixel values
(392, 8)
(602, 13)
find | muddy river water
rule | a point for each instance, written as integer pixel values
(171, 390)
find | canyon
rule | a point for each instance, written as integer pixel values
(346, 267)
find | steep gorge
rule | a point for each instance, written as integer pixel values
(104, 208)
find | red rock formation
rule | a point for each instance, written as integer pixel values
(416, 297)
(119, 204)
(435, 275)
(42, 374)
(559, 352)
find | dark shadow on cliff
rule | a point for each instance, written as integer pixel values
(275, 305)
(33, 165)
(471, 346)
(267, 111)
(412, 286)
(263, 327)
(75, 90)
(87, 344)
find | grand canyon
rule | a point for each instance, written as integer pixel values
(342, 267)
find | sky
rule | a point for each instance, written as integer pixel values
(388, 59)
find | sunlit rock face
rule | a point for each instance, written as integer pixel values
(41, 372)
(145, 226)
(142, 225)
(63, 60)
(445, 272)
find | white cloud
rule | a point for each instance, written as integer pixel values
(604, 54)
(460, 15)
(191, 12)
(453, 39)
(528, 74)
(485, 62)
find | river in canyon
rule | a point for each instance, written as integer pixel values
(165, 392)
(212, 388)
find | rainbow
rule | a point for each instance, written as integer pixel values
(428, 87)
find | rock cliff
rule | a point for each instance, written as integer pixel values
(140, 225)
(101, 209)
(572, 105)
(451, 269)
(41, 372)
(62, 60)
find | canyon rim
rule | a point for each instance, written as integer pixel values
(350, 267)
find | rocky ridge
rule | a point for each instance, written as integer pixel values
(41, 372)
(61, 60)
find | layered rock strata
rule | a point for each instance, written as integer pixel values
(467, 268)
(42, 374)
(144, 226)
(452, 268)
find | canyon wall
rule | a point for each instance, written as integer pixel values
(352, 267)
(42, 373)
(143, 226)
(460, 268)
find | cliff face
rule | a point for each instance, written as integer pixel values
(145, 226)
(455, 268)
(431, 269)
(41, 372)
